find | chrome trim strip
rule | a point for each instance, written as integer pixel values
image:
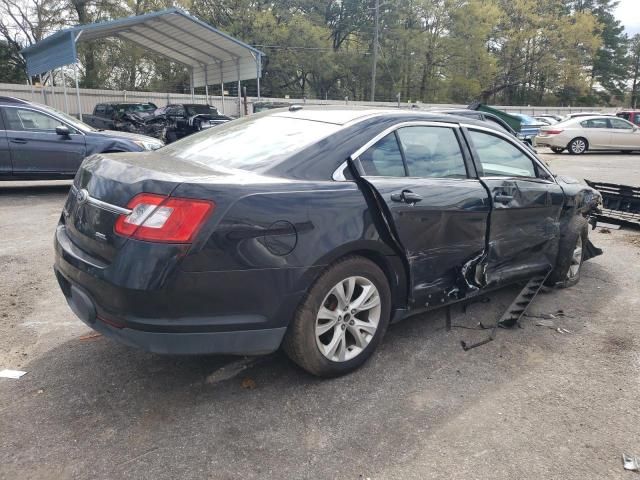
(94, 202)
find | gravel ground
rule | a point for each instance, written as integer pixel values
(534, 404)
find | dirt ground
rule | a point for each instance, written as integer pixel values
(533, 404)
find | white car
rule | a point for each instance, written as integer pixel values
(598, 132)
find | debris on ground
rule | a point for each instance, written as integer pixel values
(230, 370)
(547, 316)
(631, 462)
(15, 374)
(607, 226)
(248, 384)
(546, 323)
(620, 203)
(90, 336)
(604, 230)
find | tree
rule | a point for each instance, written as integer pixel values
(634, 51)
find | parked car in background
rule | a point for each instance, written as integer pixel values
(115, 115)
(182, 119)
(580, 134)
(487, 117)
(583, 114)
(40, 143)
(632, 116)
(549, 117)
(529, 127)
(313, 228)
(545, 120)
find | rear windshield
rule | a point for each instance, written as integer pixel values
(200, 110)
(136, 107)
(250, 143)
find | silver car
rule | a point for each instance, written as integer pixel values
(597, 132)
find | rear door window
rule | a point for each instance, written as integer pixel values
(500, 158)
(595, 123)
(383, 159)
(432, 152)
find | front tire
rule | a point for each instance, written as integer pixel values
(570, 254)
(578, 146)
(341, 320)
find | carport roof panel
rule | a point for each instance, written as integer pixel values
(172, 32)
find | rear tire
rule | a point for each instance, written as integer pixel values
(557, 149)
(341, 320)
(578, 146)
(570, 254)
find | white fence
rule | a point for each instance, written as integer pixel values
(65, 100)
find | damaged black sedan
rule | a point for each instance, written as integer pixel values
(312, 229)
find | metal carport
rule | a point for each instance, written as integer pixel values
(212, 56)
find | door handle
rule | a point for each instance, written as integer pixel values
(18, 140)
(503, 198)
(406, 196)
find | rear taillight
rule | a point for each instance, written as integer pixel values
(552, 132)
(158, 218)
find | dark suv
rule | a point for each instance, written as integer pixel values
(41, 143)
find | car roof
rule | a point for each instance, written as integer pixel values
(343, 115)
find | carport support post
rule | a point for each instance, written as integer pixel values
(53, 92)
(31, 87)
(191, 85)
(64, 91)
(42, 90)
(239, 91)
(258, 69)
(222, 89)
(206, 83)
(75, 71)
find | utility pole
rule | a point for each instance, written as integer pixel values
(375, 51)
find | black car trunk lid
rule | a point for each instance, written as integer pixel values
(103, 187)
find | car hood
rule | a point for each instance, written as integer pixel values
(124, 135)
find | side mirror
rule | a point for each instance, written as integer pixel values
(63, 130)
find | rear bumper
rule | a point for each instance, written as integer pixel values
(243, 312)
(234, 342)
(549, 142)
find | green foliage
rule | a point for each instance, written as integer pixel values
(12, 70)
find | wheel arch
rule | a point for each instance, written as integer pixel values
(384, 257)
(568, 147)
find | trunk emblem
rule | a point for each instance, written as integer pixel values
(82, 196)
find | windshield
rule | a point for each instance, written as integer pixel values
(136, 107)
(200, 110)
(250, 143)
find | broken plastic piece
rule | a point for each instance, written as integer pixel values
(15, 374)
(620, 203)
(631, 462)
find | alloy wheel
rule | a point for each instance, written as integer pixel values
(576, 259)
(578, 146)
(348, 319)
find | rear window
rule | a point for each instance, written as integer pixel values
(250, 143)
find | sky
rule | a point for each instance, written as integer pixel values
(628, 12)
